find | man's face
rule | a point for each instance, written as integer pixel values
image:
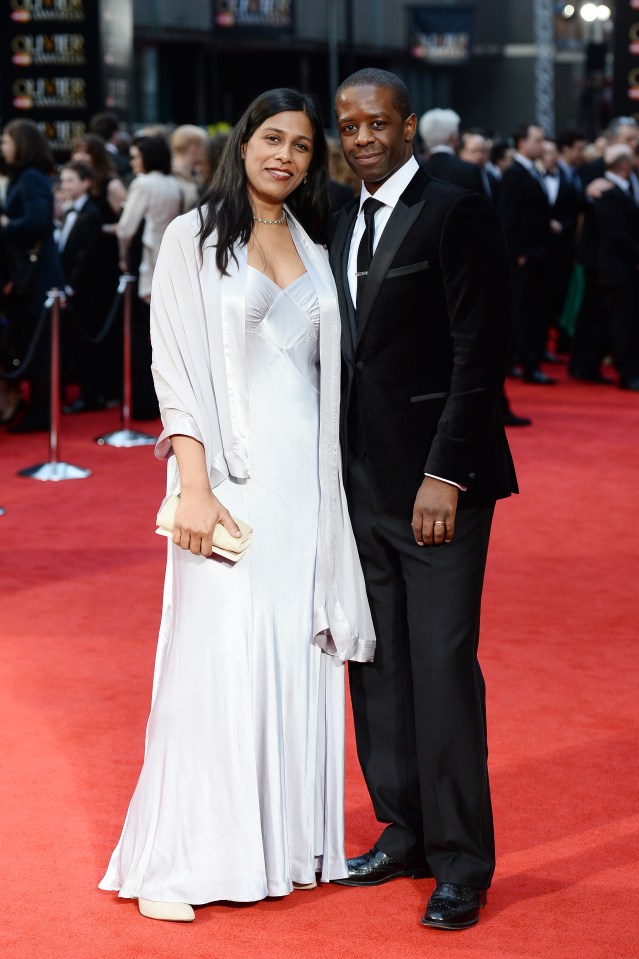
(532, 147)
(550, 156)
(375, 139)
(628, 134)
(72, 185)
(474, 149)
(573, 154)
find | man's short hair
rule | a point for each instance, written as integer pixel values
(615, 154)
(568, 138)
(83, 170)
(183, 137)
(104, 124)
(522, 132)
(373, 77)
(437, 126)
(615, 125)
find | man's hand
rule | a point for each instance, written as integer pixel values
(434, 512)
(596, 188)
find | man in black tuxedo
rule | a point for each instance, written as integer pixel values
(525, 213)
(617, 217)
(439, 131)
(564, 197)
(592, 333)
(78, 248)
(422, 277)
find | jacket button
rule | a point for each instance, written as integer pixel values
(471, 476)
(360, 365)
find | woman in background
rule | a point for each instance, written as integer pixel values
(29, 252)
(153, 201)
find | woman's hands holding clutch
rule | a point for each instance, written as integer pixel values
(197, 514)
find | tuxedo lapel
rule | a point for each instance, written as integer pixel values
(400, 222)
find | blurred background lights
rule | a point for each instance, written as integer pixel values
(589, 12)
(595, 11)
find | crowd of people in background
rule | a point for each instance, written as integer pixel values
(569, 209)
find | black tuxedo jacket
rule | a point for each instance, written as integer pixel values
(80, 261)
(452, 169)
(428, 352)
(566, 210)
(525, 212)
(617, 217)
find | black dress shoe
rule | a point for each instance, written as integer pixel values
(84, 406)
(32, 422)
(592, 378)
(375, 867)
(454, 907)
(629, 384)
(511, 419)
(539, 377)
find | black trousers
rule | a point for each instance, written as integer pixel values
(531, 292)
(419, 708)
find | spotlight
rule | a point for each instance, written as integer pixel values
(567, 11)
(603, 12)
(589, 12)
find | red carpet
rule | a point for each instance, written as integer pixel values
(80, 587)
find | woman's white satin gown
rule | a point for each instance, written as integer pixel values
(241, 791)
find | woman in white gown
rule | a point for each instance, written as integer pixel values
(241, 792)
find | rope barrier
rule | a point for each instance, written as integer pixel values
(108, 323)
(19, 372)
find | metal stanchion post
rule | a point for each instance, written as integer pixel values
(54, 469)
(126, 436)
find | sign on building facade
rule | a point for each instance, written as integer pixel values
(61, 61)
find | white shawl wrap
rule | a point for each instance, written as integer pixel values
(199, 368)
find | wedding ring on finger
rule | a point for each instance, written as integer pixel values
(439, 522)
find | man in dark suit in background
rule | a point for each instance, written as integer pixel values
(473, 148)
(422, 276)
(591, 339)
(617, 217)
(439, 131)
(525, 214)
(564, 197)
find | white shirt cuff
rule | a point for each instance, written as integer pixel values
(464, 489)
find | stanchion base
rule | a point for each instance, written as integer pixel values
(126, 438)
(2, 511)
(55, 472)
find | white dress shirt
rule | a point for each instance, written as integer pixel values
(619, 181)
(388, 194)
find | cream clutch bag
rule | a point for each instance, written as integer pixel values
(230, 547)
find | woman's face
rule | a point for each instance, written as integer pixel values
(81, 156)
(137, 164)
(8, 149)
(277, 156)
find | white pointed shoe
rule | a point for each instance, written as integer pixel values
(170, 911)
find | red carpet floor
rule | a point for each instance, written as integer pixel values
(80, 587)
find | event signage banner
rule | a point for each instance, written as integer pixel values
(441, 36)
(626, 53)
(254, 16)
(62, 61)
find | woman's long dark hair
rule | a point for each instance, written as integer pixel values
(228, 210)
(101, 162)
(32, 149)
